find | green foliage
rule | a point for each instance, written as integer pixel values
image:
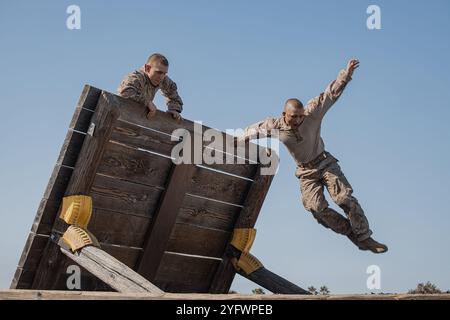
(258, 291)
(427, 288)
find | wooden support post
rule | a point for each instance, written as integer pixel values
(111, 271)
(273, 282)
(247, 218)
(164, 220)
(81, 181)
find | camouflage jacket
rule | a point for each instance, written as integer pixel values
(137, 86)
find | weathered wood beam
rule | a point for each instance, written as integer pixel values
(273, 282)
(111, 271)
(91, 295)
(81, 181)
(164, 220)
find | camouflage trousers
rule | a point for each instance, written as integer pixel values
(327, 173)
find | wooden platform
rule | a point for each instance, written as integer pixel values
(170, 223)
(78, 295)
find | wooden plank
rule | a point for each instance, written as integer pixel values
(185, 274)
(273, 282)
(89, 295)
(122, 212)
(116, 228)
(141, 137)
(88, 99)
(126, 255)
(195, 240)
(135, 113)
(130, 164)
(71, 148)
(247, 218)
(22, 279)
(164, 219)
(111, 271)
(29, 260)
(126, 197)
(217, 186)
(92, 151)
(146, 168)
(152, 140)
(80, 182)
(49, 206)
(34, 245)
(208, 213)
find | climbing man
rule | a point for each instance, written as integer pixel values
(299, 130)
(142, 85)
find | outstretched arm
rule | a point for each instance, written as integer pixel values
(318, 106)
(259, 130)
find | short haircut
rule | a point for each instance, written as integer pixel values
(294, 102)
(157, 57)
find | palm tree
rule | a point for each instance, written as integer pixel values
(312, 290)
(258, 291)
(324, 290)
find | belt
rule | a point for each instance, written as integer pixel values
(311, 164)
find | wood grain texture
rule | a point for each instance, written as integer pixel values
(196, 240)
(208, 213)
(86, 295)
(163, 143)
(132, 165)
(180, 273)
(111, 271)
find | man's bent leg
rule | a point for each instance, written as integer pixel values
(314, 201)
(341, 192)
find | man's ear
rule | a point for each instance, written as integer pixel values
(283, 113)
(147, 67)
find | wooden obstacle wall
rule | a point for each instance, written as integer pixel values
(171, 223)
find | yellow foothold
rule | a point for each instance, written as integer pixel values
(77, 210)
(78, 238)
(248, 263)
(243, 238)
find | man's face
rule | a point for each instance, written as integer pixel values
(293, 115)
(156, 72)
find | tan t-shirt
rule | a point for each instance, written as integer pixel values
(305, 142)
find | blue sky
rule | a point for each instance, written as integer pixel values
(236, 62)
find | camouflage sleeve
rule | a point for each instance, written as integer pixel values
(318, 106)
(259, 130)
(132, 87)
(170, 92)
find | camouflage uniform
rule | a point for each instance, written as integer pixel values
(317, 168)
(137, 86)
